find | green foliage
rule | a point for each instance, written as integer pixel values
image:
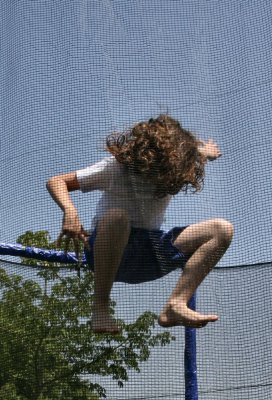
(42, 239)
(47, 347)
(36, 239)
(8, 392)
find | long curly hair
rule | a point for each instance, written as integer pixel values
(164, 152)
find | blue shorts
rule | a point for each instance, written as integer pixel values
(149, 255)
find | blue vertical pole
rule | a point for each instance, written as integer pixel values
(191, 389)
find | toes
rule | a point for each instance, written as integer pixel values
(196, 325)
(186, 317)
(189, 324)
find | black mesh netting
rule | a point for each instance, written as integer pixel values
(71, 73)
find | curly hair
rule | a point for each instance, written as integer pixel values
(164, 152)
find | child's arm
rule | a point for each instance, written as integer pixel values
(59, 188)
(210, 150)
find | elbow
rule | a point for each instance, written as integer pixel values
(51, 182)
(48, 183)
(62, 182)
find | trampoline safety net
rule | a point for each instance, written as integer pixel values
(73, 73)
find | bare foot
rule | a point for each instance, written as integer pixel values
(104, 323)
(180, 314)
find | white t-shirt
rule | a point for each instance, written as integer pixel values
(123, 189)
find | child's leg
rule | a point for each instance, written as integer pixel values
(112, 236)
(205, 243)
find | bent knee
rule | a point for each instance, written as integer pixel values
(224, 230)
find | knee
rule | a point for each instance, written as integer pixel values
(224, 230)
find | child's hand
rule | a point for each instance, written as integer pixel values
(210, 150)
(72, 229)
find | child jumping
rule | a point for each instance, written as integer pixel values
(149, 164)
